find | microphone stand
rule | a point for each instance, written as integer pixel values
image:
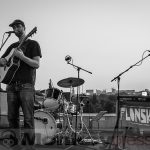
(118, 104)
(78, 69)
(5, 41)
(2, 47)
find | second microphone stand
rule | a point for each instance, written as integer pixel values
(78, 70)
(116, 129)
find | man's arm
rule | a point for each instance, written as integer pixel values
(34, 62)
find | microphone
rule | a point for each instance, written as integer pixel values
(9, 32)
(68, 58)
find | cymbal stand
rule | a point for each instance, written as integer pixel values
(116, 129)
(78, 70)
(4, 41)
(67, 128)
(71, 94)
(82, 123)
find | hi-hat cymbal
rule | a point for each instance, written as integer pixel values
(70, 82)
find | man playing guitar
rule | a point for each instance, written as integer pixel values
(20, 89)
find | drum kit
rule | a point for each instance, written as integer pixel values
(53, 113)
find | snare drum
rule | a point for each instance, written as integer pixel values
(52, 99)
(45, 127)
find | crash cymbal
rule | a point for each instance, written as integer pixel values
(70, 82)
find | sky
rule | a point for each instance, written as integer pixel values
(104, 37)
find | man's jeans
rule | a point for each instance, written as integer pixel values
(22, 95)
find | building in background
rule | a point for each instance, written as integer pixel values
(90, 92)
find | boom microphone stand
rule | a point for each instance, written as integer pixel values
(5, 40)
(118, 103)
(9, 33)
(68, 59)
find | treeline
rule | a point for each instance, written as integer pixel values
(96, 103)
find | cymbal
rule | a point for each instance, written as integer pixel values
(70, 82)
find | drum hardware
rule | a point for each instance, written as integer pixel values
(64, 125)
(68, 132)
(83, 124)
(75, 82)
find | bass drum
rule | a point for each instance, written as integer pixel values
(45, 127)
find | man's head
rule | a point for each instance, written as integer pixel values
(19, 27)
(17, 22)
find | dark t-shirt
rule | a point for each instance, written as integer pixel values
(25, 73)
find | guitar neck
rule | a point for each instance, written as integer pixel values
(28, 35)
(22, 41)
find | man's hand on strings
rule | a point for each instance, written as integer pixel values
(18, 53)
